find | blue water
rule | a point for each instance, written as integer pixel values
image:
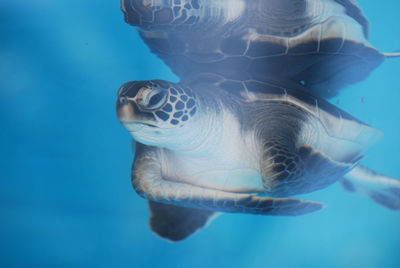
(65, 194)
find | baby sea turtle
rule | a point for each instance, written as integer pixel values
(231, 136)
(202, 150)
(315, 45)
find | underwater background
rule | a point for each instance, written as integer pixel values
(66, 198)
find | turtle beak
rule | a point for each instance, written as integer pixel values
(126, 103)
(128, 111)
(125, 109)
(131, 117)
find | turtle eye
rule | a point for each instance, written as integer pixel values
(155, 99)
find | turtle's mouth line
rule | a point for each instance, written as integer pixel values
(145, 124)
(138, 124)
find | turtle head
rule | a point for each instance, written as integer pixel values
(156, 110)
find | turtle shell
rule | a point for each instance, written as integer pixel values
(318, 46)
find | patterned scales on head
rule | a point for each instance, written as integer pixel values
(247, 128)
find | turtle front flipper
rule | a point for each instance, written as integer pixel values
(381, 189)
(177, 223)
(301, 151)
(288, 171)
(148, 181)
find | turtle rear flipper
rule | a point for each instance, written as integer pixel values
(176, 223)
(379, 188)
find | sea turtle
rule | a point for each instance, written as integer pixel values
(202, 150)
(241, 132)
(314, 45)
